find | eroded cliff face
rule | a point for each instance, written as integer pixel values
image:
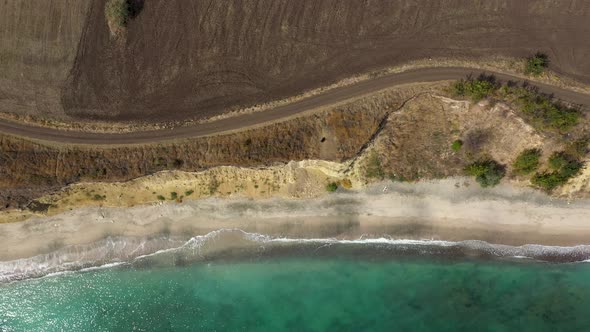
(28, 169)
(408, 143)
(402, 134)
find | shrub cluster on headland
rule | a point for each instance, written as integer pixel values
(546, 114)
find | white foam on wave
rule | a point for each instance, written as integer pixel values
(63, 261)
(81, 257)
(527, 251)
(194, 243)
(105, 266)
(368, 241)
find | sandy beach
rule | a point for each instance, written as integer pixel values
(450, 210)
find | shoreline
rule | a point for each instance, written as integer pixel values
(434, 210)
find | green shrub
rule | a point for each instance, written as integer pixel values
(527, 162)
(188, 192)
(458, 88)
(488, 173)
(480, 89)
(564, 167)
(476, 89)
(162, 198)
(332, 186)
(548, 180)
(538, 109)
(98, 197)
(578, 148)
(557, 161)
(570, 169)
(536, 64)
(173, 195)
(457, 145)
(118, 12)
(546, 114)
(213, 185)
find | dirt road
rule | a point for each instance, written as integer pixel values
(278, 113)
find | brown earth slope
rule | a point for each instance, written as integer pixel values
(29, 169)
(193, 59)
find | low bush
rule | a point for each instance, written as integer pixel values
(527, 162)
(332, 186)
(536, 64)
(571, 169)
(557, 161)
(548, 180)
(578, 148)
(476, 89)
(98, 197)
(457, 145)
(540, 110)
(546, 114)
(161, 198)
(564, 167)
(118, 12)
(189, 192)
(214, 185)
(488, 173)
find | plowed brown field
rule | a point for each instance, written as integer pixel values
(182, 59)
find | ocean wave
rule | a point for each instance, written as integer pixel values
(107, 252)
(163, 251)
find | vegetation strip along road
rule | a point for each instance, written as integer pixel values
(244, 121)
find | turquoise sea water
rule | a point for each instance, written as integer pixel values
(346, 288)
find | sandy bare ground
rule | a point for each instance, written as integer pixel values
(451, 209)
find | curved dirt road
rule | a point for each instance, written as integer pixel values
(257, 118)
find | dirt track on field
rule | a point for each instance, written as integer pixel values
(195, 59)
(248, 120)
